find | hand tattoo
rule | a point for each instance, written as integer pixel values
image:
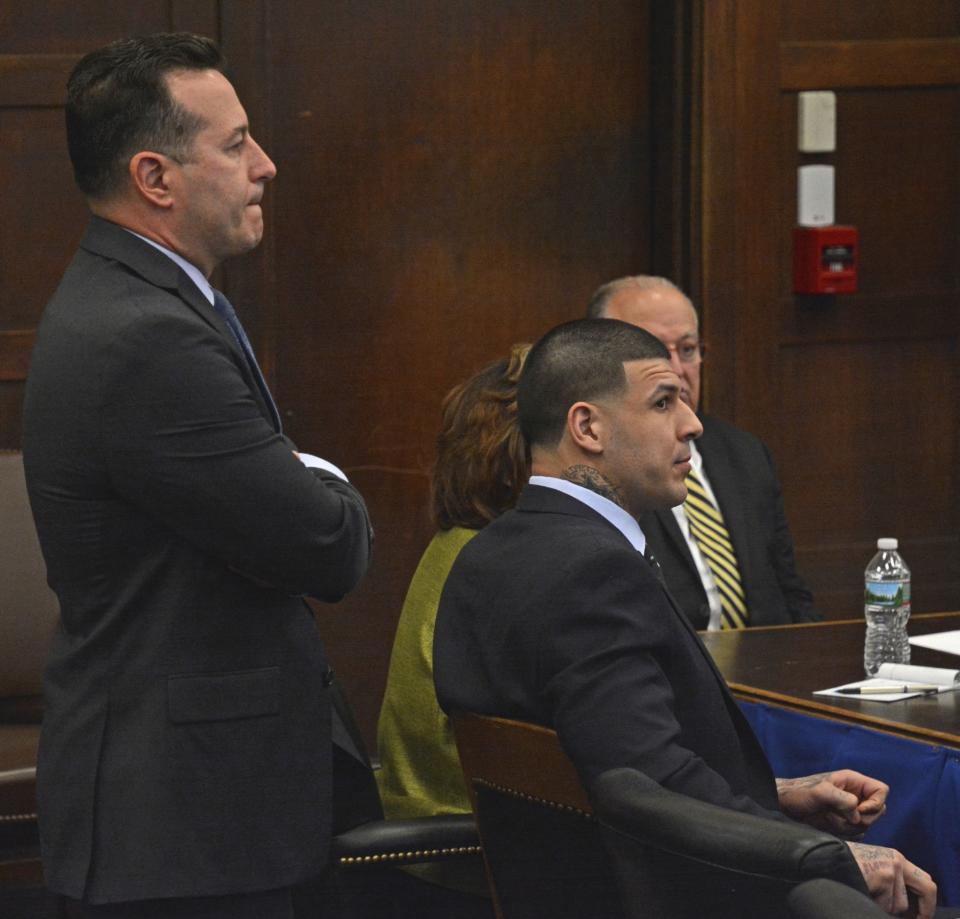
(871, 858)
(806, 781)
(591, 478)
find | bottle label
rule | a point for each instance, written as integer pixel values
(889, 593)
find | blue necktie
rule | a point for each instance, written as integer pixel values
(225, 308)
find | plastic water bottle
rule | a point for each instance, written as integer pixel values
(886, 607)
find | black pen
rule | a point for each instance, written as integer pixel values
(926, 689)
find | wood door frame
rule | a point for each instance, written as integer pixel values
(737, 194)
(748, 70)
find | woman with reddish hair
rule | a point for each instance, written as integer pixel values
(482, 464)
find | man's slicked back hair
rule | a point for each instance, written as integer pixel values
(118, 104)
(578, 361)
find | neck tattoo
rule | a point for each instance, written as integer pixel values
(590, 478)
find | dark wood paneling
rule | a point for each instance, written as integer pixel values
(869, 450)
(847, 64)
(858, 393)
(15, 354)
(739, 191)
(835, 572)
(714, 32)
(898, 180)
(868, 20)
(45, 212)
(34, 80)
(675, 140)
(40, 42)
(859, 434)
(863, 456)
(881, 317)
(199, 16)
(11, 400)
(453, 177)
(56, 27)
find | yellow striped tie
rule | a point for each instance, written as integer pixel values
(711, 536)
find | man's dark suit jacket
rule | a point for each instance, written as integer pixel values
(185, 748)
(745, 483)
(549, 615)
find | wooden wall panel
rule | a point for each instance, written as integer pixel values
(40, 42)
(879, 469)
(867, 20)
(63, 27)
(453, 177)
(739, 189)
(869, 64)
(45, 220)
(860, 390)
(898, 180)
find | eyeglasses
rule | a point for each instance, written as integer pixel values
(688, 352)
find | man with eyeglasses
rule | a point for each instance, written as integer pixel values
(726, 552)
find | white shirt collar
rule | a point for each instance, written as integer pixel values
(696, 460)
(194, 273)
(611, 512)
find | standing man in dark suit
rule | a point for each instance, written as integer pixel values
(726, 553)
(554, 614)
(185, 756)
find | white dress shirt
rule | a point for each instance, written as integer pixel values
(703, 569)
(611, 512)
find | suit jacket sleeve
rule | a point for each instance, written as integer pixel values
(796, 594)
(626, 684)
(185, 440)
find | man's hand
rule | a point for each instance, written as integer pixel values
(890, 877)
(845, 803)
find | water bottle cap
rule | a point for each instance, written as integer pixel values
(887, 543)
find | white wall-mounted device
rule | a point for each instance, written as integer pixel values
(815, 196)
(817, 122)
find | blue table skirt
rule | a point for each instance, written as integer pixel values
(923, 810)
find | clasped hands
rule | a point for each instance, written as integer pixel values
(846, 804)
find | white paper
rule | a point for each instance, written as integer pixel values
(914, 673)
(939, 641)
(896, 675)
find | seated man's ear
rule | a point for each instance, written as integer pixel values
(586, 427)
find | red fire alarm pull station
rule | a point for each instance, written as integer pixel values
(825, 260)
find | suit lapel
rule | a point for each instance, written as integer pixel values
(746, 733)
(668, 523)
(538, 499)
(692, 632)
(187, 291)
(113, 241)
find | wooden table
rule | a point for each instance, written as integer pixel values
(913, 745)
(783, 665)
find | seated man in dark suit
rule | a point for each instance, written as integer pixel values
(553, 614)
(726, 553)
